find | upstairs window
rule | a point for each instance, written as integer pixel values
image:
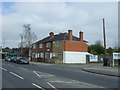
(48, 45)
(40, 45)
(34, 46)
(57, 43)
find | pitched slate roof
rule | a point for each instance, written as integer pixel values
(61, 36)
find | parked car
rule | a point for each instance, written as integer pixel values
(8, 59)
(22, 60)
(13, 59)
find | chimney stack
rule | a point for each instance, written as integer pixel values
(81, 36)
(51, 34)
(70, 34)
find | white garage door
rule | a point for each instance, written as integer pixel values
(74, 57)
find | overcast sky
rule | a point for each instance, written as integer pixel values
(59, 17)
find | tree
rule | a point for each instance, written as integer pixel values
(96, 48)
(110, 50)
(27, 38)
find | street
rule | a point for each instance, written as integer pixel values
(53, 76)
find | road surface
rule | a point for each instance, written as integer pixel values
(53, 76)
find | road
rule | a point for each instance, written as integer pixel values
(53, 76)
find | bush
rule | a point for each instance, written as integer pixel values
(54, 57)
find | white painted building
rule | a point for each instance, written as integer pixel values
(74, 57)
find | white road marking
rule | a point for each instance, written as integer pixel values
(43, 74)
(87, 83)
(37, 86)
(47, 75)
(10, 65)
(17, 75)
(36, 73)
(23, 68)
(63, 82)
(3, 69)
(51, 85)
(75, 81)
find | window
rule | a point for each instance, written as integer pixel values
(34, 46)
(47, 45)
(33, 55)
(42, 55)
(59, 54)
(38, 55)
(40, 45)
(57, 43)
(47, 55)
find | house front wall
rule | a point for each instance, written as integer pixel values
(58, 49)
(36, 52)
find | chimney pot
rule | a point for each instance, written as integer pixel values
(51, 34)
(81, 35)
(70, 34)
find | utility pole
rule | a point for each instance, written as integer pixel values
(3, 43)
(104, 33)
(21, 44)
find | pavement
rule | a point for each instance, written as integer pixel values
(96, 68)
(104, 70)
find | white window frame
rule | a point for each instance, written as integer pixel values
(34, 46)
(41, 54)
(38, 55)
(40, 45)
(57, 43)
(46, 54)
(48, 45)
(33, 55)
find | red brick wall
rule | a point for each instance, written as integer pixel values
(38, 50)
(75, 46)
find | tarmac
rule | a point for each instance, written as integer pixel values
(96, 68)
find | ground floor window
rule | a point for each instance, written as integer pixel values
(33, 55)
(36, 55)
(42, 55)
(59, 54)
(47, 55)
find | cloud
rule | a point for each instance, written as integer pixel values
(59, 17)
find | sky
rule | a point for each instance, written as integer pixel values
(57, 17)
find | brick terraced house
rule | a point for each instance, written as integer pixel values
(66, 47)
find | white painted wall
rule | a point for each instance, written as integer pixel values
(74, 57)
(93, 58)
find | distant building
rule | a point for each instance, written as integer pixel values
(0, 52)
(66, 47)
(24, 53)
(15, 52)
